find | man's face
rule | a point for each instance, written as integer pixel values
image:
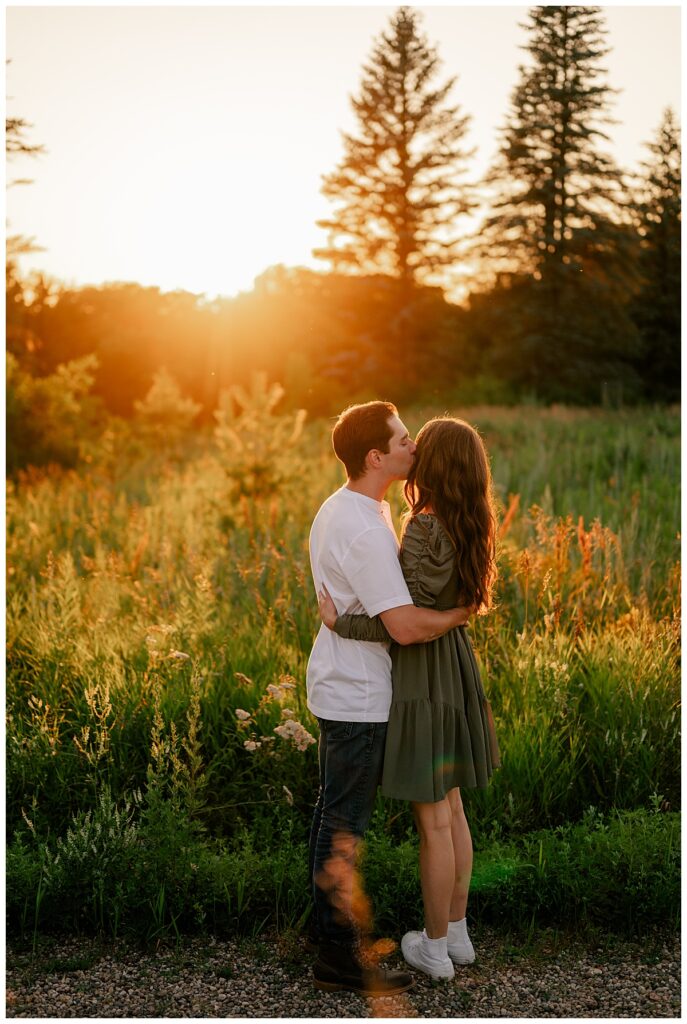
(397, 463)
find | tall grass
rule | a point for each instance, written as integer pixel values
(146, 607)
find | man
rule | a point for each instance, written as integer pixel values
(354, 556)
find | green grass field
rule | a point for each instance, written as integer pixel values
(154, 596)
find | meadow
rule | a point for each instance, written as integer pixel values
(161, 761)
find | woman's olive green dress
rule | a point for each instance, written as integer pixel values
(441, 728)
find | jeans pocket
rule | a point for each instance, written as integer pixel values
(336, 730)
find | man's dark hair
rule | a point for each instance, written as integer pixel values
(358, 430)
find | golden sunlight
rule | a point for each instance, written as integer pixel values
(196, 162)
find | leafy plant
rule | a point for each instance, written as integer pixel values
(164, 415)
(48, 418)
(255, 443)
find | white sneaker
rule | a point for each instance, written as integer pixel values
(460, 949)
(414, 949)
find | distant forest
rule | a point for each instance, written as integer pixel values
(574, 293)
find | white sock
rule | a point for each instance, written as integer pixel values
(437, 949)
(457, 929)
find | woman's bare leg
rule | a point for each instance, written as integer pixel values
(437, 864)
(462, 854)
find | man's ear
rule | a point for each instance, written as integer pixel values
(373, 459)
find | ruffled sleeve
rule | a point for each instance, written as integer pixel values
(428, 559)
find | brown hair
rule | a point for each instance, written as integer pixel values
(451, 474)
(358, 430)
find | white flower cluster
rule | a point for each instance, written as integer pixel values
(242, 715)
(297, 733)
(280, 691)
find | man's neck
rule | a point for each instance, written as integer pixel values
(370, 486)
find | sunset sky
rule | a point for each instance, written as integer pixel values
(185, 145)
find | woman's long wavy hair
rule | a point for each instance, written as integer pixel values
(451, 475)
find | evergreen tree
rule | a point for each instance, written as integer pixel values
(657, 306)
(398, 183)
(559, 223)
(17, 144)
(21, 337)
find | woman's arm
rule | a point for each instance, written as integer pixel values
(351, 627)
(362, 627)
(406, 624)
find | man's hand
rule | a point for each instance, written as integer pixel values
(465, 613)
(409, 624)
(328, 612)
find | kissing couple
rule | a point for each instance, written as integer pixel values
(393, 681)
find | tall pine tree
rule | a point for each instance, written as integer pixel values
(21, 339)
(397, 187)
(656, 308)
(559, 228)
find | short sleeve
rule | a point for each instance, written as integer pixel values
(374, 572)
(428, 559)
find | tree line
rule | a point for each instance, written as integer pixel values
(573, 270)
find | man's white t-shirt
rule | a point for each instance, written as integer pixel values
(354, 552)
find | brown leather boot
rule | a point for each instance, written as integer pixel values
(337, 968)
(312, 937)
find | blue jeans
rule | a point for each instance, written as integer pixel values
(351, 755)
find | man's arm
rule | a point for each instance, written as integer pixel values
(409, 624)
(373, 572)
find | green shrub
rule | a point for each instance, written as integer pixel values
(49, 418)
(164, 415)
(149, 872)
(619, 872)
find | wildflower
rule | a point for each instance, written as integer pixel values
(242, 680)
(279, 691)
(164, 629)
(242, 715)
(179, 655)
(294, 731)
(288, 713)
(251, 745)
(288, 794)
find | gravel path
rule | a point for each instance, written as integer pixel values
(553, 977)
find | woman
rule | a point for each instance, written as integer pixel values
(440, 734)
